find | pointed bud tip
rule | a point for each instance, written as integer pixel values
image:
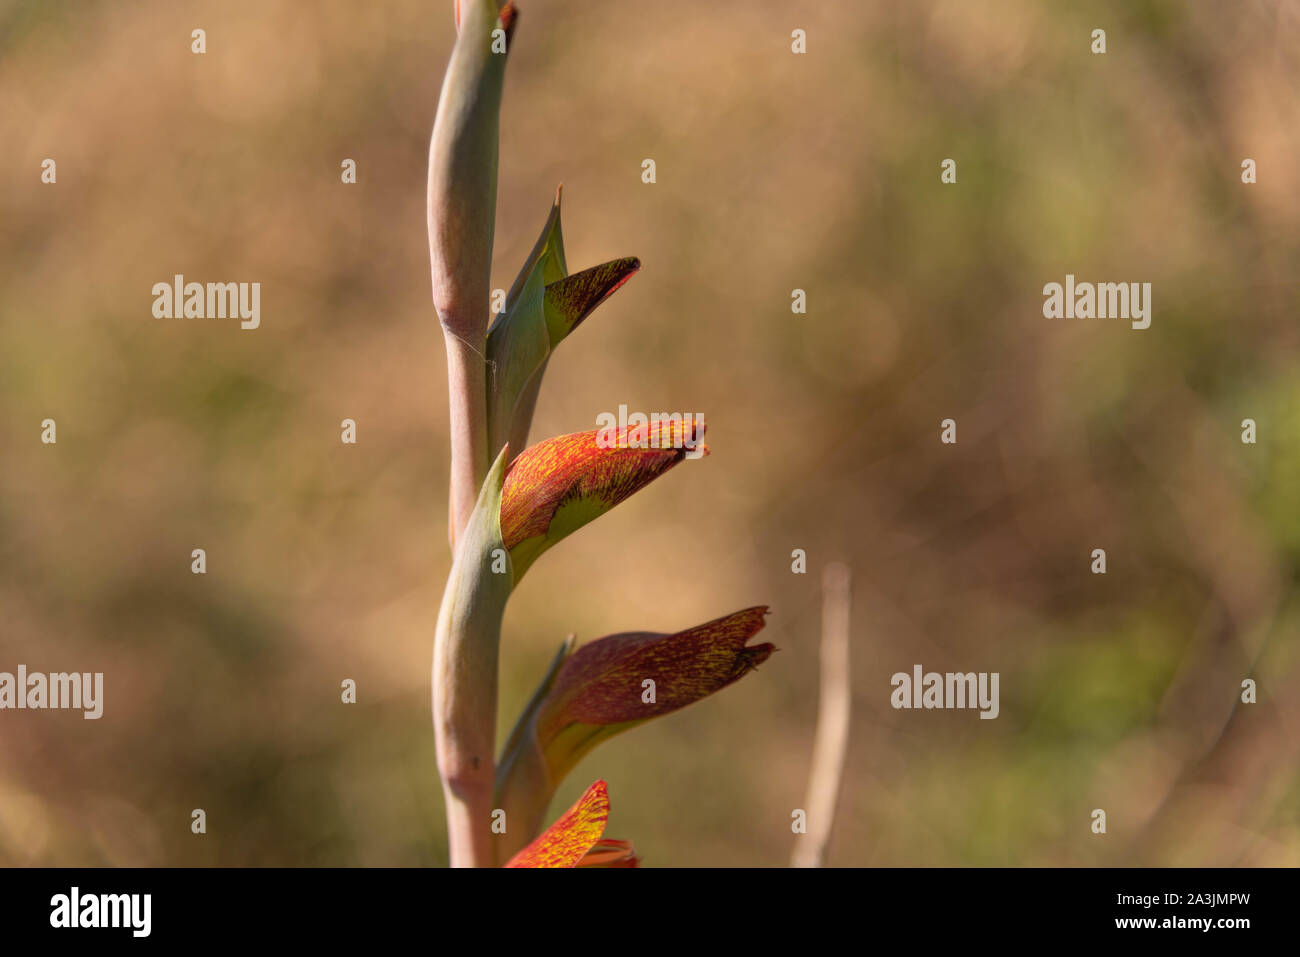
(509, 16)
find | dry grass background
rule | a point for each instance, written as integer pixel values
(775, 171)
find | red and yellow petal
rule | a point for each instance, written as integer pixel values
(570, 839)
(602, 682)
(556, 486)
(600, 689)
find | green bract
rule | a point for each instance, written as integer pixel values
(543, 306)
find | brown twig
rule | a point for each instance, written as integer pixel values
(831, 743)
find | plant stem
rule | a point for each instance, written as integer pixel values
(464, 707)
(461, 216)
(467, 399)
(465, 650)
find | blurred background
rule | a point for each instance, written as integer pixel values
(775, 171)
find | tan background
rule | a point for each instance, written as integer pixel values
(775, 171)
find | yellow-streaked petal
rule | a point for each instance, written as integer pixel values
(566, 842)
(556, 486)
